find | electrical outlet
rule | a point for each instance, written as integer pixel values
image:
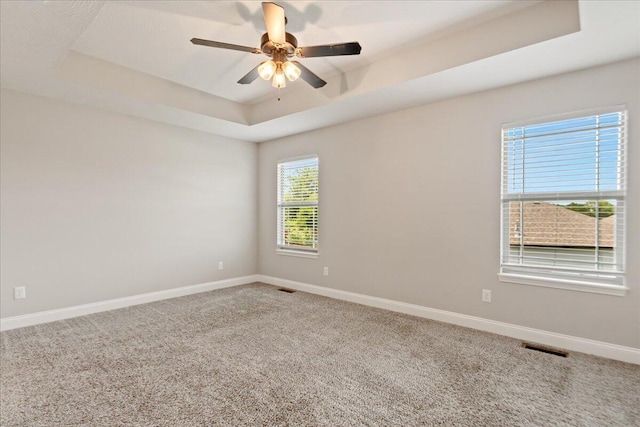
(20, 292)
(486, 295)
(220, 265)
(326, 271)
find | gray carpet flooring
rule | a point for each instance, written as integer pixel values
(254, 356)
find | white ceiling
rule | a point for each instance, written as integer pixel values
(135, 57)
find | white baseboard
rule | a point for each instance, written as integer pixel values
(96, 307)
(566, 342)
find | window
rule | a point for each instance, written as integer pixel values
(563, 194)
(298, 206)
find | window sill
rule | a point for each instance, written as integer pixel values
(301, 254)
(571, 285)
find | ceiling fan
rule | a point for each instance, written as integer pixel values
(279, 45)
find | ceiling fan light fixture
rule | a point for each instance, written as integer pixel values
(267, 69)
(279, 79)
(291, 71)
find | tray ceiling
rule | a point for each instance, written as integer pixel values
(135, 57)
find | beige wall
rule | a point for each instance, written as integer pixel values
(409, 206)
(97, 205)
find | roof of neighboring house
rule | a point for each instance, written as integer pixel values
(607, 230)
(546, 224)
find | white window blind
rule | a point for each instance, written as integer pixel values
(298, 205)
(563, 194)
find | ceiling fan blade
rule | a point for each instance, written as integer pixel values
(221, 45)
(250, 76)
(308, 76)
(274, 18)
(351, 48)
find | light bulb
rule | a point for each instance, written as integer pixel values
(266, 69)
(278, 79)
(291, 71)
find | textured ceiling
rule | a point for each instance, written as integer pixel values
(135, 57)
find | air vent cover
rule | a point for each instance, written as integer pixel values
(544, 349)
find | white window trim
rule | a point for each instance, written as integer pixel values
(571, 285)
(517, 274)
(287, 250)
(566, 116)
(301, 254)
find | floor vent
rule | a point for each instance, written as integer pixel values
(289, 291)
(543, 349)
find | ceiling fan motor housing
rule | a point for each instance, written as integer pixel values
(288, 48)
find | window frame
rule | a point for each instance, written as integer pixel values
(583, 281)
(289, 250)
